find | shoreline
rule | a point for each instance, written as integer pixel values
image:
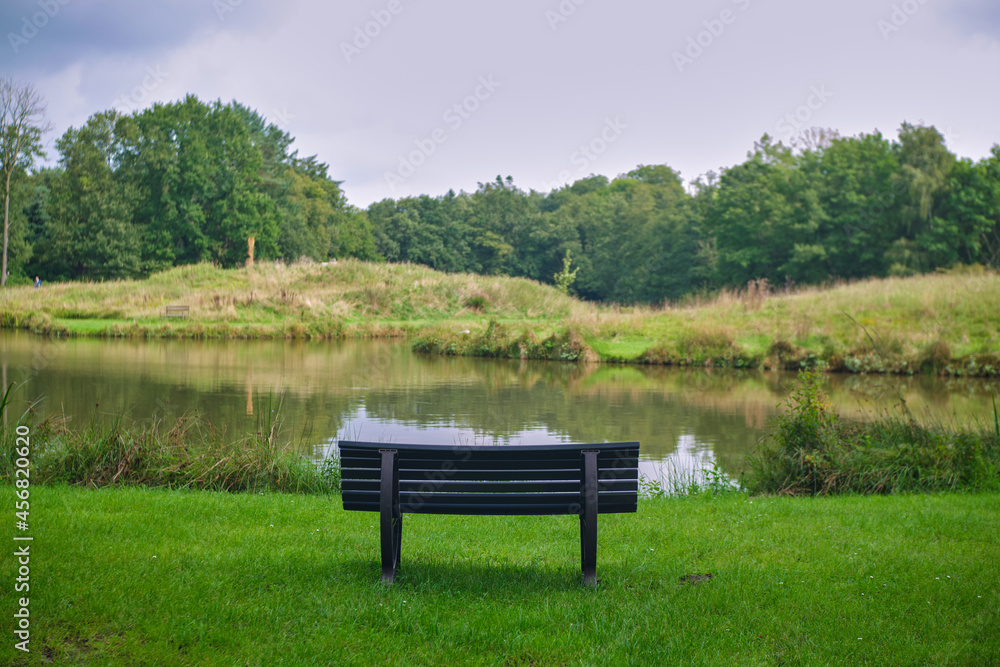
(938, 324)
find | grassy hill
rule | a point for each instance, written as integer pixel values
(941, 323)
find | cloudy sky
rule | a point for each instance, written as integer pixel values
(406, 97)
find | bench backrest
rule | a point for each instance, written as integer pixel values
(502, 479)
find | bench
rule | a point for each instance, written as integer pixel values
(176, 311)
(394, 479)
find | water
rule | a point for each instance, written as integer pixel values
(380, 391)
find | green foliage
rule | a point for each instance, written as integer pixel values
(565, 278)
(189, 182)
(673, 483)
(329, 472)
(182, 183)
(190, 453)
(815, 452)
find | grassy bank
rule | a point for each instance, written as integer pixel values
(944, 323)
(814, 451)
(189, 453)
(133, 576)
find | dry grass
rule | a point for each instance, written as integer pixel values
(271, 299)
(943, 323)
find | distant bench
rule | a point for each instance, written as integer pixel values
(176, 311)
(585, 480)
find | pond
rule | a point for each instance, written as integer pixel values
(685, 419)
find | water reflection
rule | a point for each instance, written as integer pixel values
(379, 390)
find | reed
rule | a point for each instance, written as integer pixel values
(188, 453)
(814, 451)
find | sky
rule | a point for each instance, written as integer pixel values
(409, 97)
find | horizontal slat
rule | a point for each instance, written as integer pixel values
(464, 475)
(405, 463)
(527, 454)
(416, 500)
(448, 486)
(494, 509)
(527, 449)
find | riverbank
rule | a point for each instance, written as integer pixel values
(944, 324)
(163, 577)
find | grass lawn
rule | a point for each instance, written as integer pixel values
(152, 577)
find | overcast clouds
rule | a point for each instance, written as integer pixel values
(687, 84)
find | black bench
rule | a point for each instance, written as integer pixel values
(585, 480)
(176, 311)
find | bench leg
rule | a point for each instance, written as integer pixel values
(588, 519)
(390, 516)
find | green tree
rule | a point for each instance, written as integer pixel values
(925, 164)
(22, 122)
(766, 218)
(90, 232)
(859, 195)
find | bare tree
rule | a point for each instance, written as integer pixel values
(22, 122)
(814, 139)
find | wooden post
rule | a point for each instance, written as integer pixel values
(250, 242)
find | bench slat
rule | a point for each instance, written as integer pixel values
(504, 487)
(464, 475)
(494, 509)
(351, 460)
(419, 502)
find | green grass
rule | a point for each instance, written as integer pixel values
(188, 454)
(945, 323)
(812, 450)
(158, 577)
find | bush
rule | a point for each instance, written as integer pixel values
(815, 452)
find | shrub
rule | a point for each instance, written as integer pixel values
(815, 452)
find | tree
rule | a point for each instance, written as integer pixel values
(91, 231)
(22, 118)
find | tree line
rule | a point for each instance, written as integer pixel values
(825, 208)
(190, 182)
(176, 184)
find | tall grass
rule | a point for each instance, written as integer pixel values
(189, 453)
(816, 452)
